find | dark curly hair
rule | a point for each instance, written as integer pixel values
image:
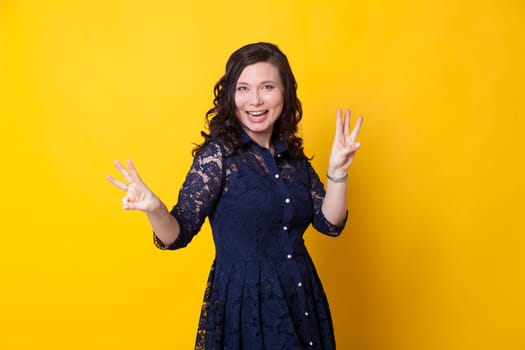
(221, 120)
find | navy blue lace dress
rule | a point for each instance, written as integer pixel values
(263, 291)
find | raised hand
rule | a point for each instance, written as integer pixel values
(138, 195)
(344, 146)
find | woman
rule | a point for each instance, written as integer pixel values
(252, 179)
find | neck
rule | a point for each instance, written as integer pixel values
(263, 140)
(268, 145)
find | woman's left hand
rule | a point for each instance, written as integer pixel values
(344, 146)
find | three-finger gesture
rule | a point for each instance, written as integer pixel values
(344, 146)
(138, 195)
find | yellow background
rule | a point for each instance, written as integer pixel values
(433, 256)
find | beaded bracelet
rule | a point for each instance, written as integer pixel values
(337, 179)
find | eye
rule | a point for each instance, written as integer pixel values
(242, 88)
(267, 87)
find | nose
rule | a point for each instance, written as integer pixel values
(256, 98)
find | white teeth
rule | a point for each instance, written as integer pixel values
(256, 114)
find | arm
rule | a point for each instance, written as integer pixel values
(199, 193)
(343, 152)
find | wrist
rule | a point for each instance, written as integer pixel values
(337, 179)
(157, 208)
(337, 172)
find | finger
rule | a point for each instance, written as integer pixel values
(351, 149)
(349, 154)
(133, 171)
(126, 203)
(117, 183)
(356, 129)
(123, 171)
(338, 124)
(347, 122)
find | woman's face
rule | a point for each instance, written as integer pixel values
(259, 100)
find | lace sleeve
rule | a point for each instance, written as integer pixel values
(317, 192)
(198, 195)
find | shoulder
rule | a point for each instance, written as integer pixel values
(214, 147)
(310, 169)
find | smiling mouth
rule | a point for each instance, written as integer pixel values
(257, 113)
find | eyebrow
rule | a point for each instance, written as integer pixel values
(261, 83)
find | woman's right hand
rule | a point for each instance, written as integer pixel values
(138, 195)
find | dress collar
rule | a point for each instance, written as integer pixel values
(278, 145)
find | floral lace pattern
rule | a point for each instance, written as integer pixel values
(263, 291)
